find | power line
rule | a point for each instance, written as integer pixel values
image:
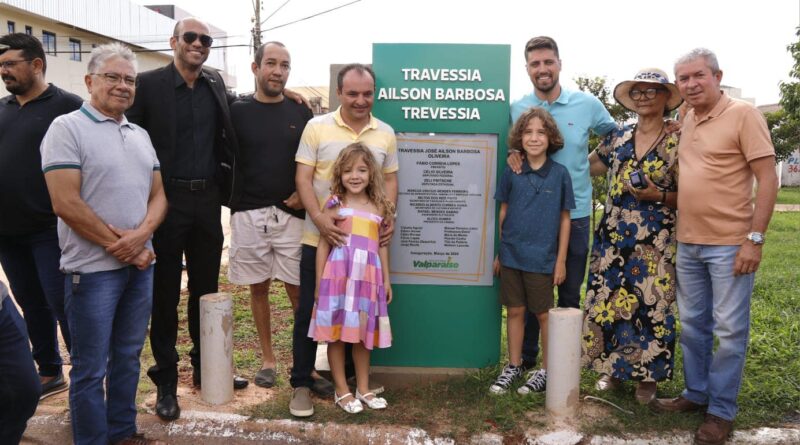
(311, 16)
(275, 11)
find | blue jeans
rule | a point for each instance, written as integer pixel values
(569, 292)
(108, 312)
(713, 302)
(19, 384)
(31, 264)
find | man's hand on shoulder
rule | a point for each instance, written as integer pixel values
(514, 161)
(297, 97)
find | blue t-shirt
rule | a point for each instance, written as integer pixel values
(576, 113)
(535, 200)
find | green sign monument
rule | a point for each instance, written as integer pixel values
(448, 104)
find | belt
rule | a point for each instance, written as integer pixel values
(193, 185)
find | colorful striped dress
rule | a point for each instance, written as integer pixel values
(352, 300)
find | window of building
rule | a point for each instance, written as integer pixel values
(49, 42)
(12, 27)
(29, 30)
(75, 50)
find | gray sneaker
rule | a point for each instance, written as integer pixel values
(301, 405)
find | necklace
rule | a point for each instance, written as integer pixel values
(656, 141)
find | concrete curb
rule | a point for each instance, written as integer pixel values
(201, 427)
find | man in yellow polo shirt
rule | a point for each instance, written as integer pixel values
(724, 145)
(323, 138)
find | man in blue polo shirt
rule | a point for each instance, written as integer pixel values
(576, 113)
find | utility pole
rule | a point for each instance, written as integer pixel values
(257, 25)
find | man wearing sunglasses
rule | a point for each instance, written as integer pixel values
(184, 106)
(29, 251)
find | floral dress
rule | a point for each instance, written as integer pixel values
(629, 321)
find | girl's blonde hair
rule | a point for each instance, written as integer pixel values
(376, 190)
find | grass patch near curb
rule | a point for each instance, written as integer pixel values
(461, 406)
(789, 195)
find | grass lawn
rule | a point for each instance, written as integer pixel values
(462, 407)
(789, 195)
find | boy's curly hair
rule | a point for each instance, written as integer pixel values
(556, 141)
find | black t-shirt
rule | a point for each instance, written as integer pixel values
(268, 136)
(24, 202)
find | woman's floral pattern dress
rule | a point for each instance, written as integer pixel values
(629, 322)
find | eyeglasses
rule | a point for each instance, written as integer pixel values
(8, 64)
(191, 36)
(648, 93)
(115, 79)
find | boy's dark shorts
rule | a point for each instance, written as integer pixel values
(531, 290)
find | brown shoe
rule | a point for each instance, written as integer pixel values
(714, 431)
(139, 439)
(676, 405)
(645, 392)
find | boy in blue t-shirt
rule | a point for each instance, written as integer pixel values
(534, 235)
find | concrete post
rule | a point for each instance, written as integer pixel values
(216, 348)
(563, 361)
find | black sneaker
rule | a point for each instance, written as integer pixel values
(55, 386)
(537, 382)
(506, 379)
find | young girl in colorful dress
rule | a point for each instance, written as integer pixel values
(353, 288)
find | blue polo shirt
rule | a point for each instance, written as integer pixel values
(535, 200)
(576, 113)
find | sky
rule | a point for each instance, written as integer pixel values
(611, 39)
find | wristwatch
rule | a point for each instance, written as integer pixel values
(756, 238)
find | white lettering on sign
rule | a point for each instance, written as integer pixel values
(440, 113)
(442, 74)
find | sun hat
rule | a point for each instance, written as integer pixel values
(647, 75)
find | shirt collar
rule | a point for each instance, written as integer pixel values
(563, 98)
(97, 117)
(722, 103)
(179, 80)
(337, 116)
(541, 171)
(46, 94)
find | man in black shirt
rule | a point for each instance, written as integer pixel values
(267, 223)
(185, 109)
(29, 251)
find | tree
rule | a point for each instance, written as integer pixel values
(784, 125)
(596, 86)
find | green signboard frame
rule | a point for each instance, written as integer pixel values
(444, 326)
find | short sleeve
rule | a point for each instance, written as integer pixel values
(309, 144)
(602, 122)
(567, 197)
(504, 187)
(754, 137)
(60, 148)
(390, 162)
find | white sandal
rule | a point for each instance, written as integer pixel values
(352, 407)
(374, 402)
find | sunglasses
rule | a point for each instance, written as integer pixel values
(190, 37)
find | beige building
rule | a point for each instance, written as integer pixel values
(69, 29)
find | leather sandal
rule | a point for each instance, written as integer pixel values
(354, 406)
(374, 402)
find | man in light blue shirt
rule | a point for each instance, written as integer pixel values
(576, 113)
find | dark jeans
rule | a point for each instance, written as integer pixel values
(109, 312)
(31, 263)
(19, 384)
(569, 292)
(304, 348)
(192, 226)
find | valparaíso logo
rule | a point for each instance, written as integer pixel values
(436, 264)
